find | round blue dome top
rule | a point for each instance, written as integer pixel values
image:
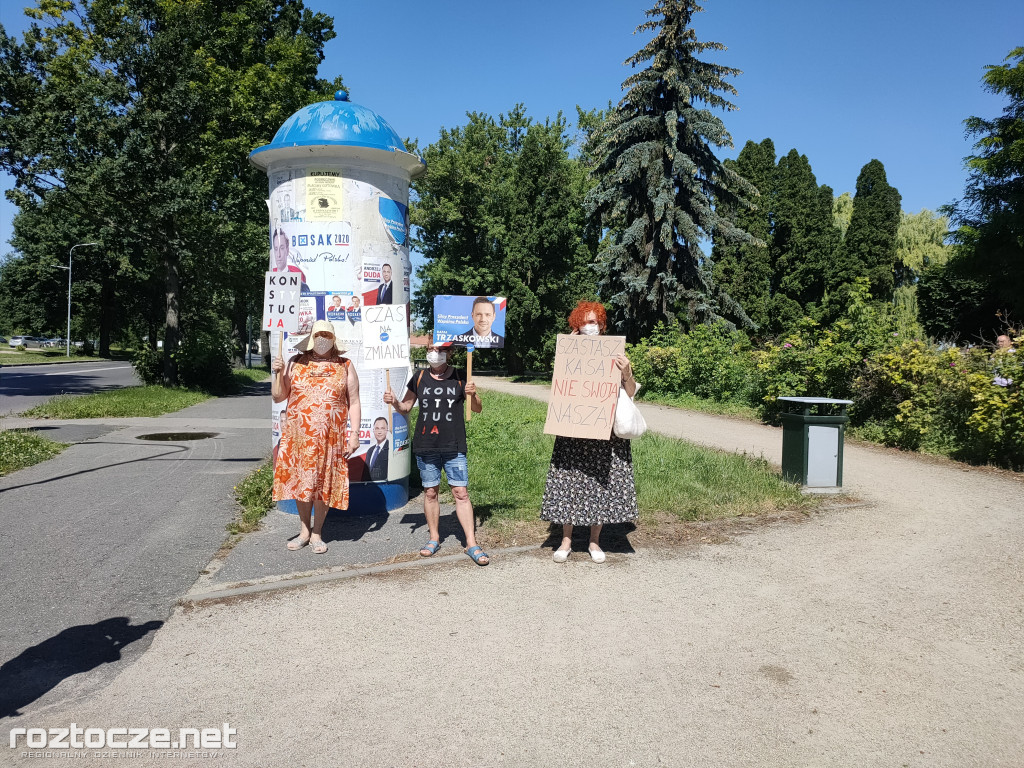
(337, 123)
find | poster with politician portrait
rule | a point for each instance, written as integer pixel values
(470, 321)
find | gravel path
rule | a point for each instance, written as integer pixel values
(886, 635)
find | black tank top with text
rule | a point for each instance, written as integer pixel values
(441, 425)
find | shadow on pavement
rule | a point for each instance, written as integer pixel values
(343, 526)
(447, 526)
(154, 457)
(614, 538)
(39, 669)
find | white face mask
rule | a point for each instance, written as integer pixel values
(437, 358)
(322, 345)
(590, 329)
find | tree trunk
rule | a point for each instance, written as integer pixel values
(239, 333)
(107, 294)
(172, 288)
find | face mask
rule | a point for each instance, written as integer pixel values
(322, 346)
(437, 358)
(590, 329)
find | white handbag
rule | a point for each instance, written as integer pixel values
(629, 422)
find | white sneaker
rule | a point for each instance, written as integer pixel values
(561, 555)
(597, 555)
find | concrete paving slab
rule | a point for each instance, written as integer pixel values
(353, 541)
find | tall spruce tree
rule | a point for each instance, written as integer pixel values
(743, 269)
(869, 248)
(660, 182)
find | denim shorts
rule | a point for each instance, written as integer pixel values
(454, 464)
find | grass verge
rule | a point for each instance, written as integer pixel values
(509, 456)
(253, 494)
(21, 448)
(137, 401)
(55, 356)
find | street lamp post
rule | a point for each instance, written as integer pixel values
(68, 268)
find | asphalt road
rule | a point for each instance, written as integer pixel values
(25, 386)
(99, 541)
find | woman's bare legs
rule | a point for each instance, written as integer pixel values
(310, 526)
(566, 544)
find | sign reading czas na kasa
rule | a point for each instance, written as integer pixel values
(281, 301)
(585, 386)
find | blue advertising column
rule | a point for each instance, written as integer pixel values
(339, 216)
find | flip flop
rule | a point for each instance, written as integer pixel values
(318, 547)
(431, 547)
(478, 554)
(297, 543)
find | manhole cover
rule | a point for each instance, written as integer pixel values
(172, 437)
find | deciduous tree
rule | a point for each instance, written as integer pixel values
(499, 212)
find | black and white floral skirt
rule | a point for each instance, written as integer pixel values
(590, 482)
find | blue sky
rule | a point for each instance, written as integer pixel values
(843, 83)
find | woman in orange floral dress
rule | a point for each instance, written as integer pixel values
(322, 390)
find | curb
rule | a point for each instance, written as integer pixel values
(277, 583)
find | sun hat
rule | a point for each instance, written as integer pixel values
(320, 326)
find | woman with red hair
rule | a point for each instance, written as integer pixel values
(590, 482)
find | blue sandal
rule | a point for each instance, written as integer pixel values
(478, 554)
(431, 547)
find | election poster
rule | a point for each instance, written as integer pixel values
(477, 322)
(584, 386)
(322, 255)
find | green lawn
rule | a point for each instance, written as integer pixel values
(22, 448)
(509, 456)
(49, 356)
(508, 463)
(136, 401)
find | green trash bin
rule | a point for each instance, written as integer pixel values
(812, 440)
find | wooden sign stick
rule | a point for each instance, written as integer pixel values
(469, 375)
(391, 426)
(280, 342)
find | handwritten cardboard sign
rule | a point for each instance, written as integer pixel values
(385, 336)
(585, 386)
(281, 301)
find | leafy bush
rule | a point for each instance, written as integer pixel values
(963, 403)
(710, 362)
(204, 362)
(149, 364)
(914, 397)
(815, 361)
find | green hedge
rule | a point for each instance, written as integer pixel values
(964, 403)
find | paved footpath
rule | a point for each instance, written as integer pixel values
(890, 634)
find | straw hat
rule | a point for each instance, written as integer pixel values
(320, 326)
